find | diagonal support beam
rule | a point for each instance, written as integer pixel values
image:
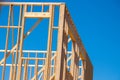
(27, 34)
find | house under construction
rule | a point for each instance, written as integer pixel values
(61, 63)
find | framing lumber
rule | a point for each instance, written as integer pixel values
(6, 46)
(60, 55)
(37, 15)
(59, 64)
(49, 46)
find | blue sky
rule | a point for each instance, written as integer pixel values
(98, 24)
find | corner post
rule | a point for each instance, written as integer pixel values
(60, 55)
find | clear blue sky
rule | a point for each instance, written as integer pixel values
(98, 24)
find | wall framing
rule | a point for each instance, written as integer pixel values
(61, 71)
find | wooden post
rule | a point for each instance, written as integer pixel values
(18, 41)
(74, 61)
(72, 67)
(60, 55)
(36, 70)
(77, 62)
(26, 70)
(6, 46)
(49, 46)
(65, 45)
(10, 77)
(21, 44)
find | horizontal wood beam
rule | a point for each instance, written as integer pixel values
(29, 65)
(10, 26)
(32, 58)
(30, 3)
(34, 51)
(37, 14)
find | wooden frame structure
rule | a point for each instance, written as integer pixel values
(58, 65)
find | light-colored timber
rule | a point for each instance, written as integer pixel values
(71, 64)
